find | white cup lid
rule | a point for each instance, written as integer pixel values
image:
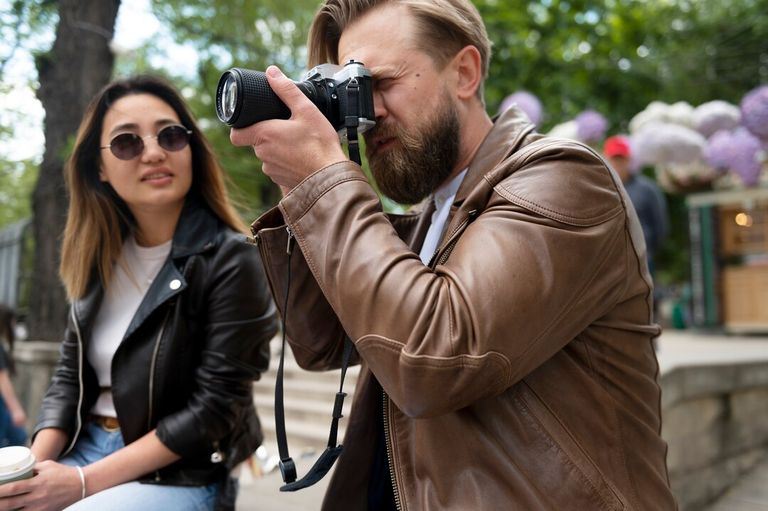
(15, 460)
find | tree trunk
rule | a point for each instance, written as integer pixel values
(78, 65)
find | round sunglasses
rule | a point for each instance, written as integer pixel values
(127, 146)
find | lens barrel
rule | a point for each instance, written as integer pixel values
(244, 97)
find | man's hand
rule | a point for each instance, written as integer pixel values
(291, 149)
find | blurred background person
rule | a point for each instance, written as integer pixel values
(12, 415)
(170, 320)
(646, 196)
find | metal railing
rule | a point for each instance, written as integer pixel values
(12, 252)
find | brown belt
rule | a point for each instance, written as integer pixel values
(107, 423)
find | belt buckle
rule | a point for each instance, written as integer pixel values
(108, 424)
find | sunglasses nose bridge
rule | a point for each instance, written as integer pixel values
(150, 145)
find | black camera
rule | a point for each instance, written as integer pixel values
(244, 97)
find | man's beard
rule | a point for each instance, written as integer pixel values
(425, 159)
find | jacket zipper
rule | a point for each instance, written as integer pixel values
(79, 419)
(447, 248)
(388, 442)
(288, 248)
(152, 366)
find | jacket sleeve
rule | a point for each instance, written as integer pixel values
(543, 259)
(313, 330)
(240, 321)
(59, 406)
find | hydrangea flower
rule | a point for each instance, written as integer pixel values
(657, 111)
(714, 116)
(527, 102)
(590, 126)
(717, 152)
(738, 151)
(685, 177)
(754, 111)
(664, 143)
(566, 129)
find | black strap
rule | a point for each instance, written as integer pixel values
(352, 120)
(332, 450)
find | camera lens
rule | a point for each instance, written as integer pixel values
(229, 97)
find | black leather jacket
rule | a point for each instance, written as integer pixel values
(188, 359)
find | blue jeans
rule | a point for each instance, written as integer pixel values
(96, 443)
(10, 434)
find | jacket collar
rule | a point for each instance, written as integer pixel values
(506, 136)
(195, 233)
(196, 230)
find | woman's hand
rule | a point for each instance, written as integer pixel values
(55, 486)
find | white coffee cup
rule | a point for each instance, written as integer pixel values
(16, 462)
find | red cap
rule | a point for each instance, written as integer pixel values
(617, 146)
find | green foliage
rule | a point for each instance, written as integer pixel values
(617, 56)
(246, 34)
(17, 180)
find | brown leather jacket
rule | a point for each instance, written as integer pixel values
(518, 369)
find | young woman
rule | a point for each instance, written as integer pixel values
(150, 406)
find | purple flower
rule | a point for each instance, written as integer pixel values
(738, 151)
(754, 111)
(718, 150)
(527, 102)
(715, 116)
(664, 143)
(590, 126)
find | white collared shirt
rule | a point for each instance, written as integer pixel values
(443, 198)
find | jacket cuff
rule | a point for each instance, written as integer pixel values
(299, 200)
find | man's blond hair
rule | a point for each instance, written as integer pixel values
(444, 27)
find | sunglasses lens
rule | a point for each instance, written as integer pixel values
(173, 138)
(126, 146)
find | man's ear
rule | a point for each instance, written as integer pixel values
(102, 177)
(467, 65)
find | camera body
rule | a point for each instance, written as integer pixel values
(244, 97)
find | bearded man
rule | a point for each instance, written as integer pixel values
(504, 330)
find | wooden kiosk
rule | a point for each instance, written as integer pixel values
(729, 259)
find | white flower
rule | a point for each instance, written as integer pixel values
(657, 111)
(567, 129)
(714, 116)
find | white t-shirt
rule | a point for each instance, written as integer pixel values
(443, 198)
(133, 273)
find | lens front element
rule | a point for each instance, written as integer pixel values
(229, 96)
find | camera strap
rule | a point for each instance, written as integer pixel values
(352, 120)
(332, 450)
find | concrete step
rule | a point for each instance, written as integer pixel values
(317, 411)
(301, 388)
(302, 435)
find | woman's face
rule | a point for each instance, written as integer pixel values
(156, 180)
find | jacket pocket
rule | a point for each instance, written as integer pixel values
(580, 479)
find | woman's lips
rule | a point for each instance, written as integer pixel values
(157, 177)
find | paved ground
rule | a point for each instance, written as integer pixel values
(674, 348)
(749, 494)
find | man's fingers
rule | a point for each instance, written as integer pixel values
(285, 88)
(241, 137)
